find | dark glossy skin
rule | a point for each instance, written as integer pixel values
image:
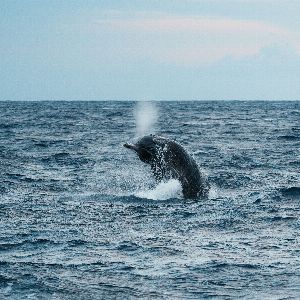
(169, 160)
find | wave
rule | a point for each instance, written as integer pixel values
(293, 192)
(289, 137)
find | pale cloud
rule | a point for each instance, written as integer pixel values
(191, 40)
(166, 23)
(240, 1)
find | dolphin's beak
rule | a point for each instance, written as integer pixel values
(131, 146)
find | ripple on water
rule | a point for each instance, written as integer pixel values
(79, 215)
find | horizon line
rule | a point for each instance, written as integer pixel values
(142, 100)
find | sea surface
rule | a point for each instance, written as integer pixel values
(82, 218)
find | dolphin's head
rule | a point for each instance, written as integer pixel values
(146, 148)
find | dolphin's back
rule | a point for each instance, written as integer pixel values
(186, 168)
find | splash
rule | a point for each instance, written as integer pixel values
(163, 191)
(146, 115)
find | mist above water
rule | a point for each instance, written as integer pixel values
(146, 115)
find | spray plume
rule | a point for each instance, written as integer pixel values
(146, 115)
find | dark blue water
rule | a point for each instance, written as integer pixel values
(73, 226)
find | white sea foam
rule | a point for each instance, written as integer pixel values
(146, 115)
(163, 191)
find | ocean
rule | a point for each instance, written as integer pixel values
(81, 217)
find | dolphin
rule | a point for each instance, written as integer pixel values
(169, 160)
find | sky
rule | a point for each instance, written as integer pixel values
(150, 50)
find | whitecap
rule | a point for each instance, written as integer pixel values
(163, 191)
